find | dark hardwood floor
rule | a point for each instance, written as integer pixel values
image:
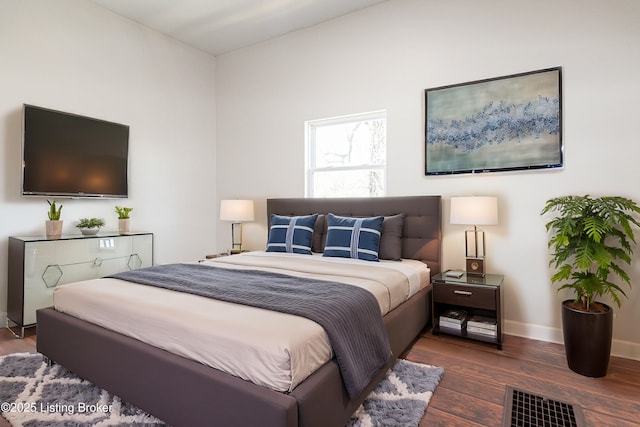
(10, 344)
(473, 388)
(472, 391)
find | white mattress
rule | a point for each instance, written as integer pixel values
(268, 348)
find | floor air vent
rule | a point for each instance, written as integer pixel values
(523, 409)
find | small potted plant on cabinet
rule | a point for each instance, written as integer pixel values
(590, 240)
(124, 222)
(53, 227)
(90, 226)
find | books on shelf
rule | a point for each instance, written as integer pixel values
(451, 326)
(458, 320)
(454, 319)
(454, 315)
(480, 325)
(483, 322)
(481, 331)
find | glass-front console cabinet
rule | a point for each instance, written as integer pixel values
(37, 265)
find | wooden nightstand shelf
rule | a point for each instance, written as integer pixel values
(478, 296)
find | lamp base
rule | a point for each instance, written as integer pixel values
(236, 238)
(475, 266)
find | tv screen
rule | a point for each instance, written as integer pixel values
(499, 124)
(68, 155)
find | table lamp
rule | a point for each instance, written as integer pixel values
(236, 211)
(474, 210)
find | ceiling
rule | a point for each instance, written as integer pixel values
(219, 26)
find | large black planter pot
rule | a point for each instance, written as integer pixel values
(587, 340)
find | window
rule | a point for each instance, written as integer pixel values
(346, 156)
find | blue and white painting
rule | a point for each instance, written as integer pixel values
(506, 123)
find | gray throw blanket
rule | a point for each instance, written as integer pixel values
(350, 315)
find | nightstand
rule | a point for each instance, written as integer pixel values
(481, 299)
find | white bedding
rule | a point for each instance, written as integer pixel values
(272, 349)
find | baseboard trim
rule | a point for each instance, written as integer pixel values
(626, 349)
(619, 348)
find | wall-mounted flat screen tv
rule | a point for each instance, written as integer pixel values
(67, 155)
(500, 124)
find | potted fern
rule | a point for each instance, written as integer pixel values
(124, 221)
(90, 226)
(590, 242)
(53, 226)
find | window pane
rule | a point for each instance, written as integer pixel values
(346, 156)
(350, 144)
(364, 182)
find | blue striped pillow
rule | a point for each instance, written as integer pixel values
(291, 234)
(353, 237)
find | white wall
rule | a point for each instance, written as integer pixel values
(384, 57)
(74, 56)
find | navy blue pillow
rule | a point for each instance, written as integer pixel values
(353, 237)
(291, 234)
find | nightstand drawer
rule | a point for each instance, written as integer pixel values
(465, 295)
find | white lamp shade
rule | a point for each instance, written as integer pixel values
(474, 210)
(236, 210)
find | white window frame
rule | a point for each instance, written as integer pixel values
(311, 169)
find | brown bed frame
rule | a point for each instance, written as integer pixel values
(182, 392)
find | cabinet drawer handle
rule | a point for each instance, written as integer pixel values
(465, 293)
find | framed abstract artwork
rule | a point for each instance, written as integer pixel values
(500, 124)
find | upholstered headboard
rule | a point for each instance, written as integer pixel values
(422, 229)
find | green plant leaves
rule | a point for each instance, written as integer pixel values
(596, 228)
(54, 212)
(123, 212)
(587, 237)
(90, 223)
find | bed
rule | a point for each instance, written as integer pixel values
(182, 391)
